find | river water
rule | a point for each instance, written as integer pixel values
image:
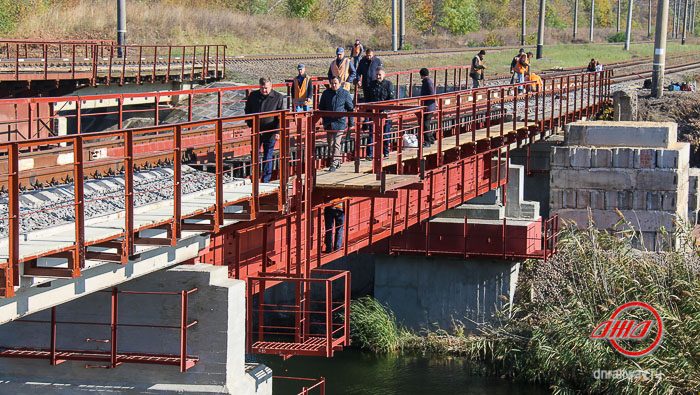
(355, 372)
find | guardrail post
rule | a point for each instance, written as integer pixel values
(79, 205)
(13, 219)
(183, 331)
(219, 186)
(128, 243)
(113, 327)
(176, 228)
(255, 165)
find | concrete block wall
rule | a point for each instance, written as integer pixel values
(637, 169)
(693, 196)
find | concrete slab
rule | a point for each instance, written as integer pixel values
(621, 134)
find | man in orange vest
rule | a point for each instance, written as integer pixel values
(521, 69)
(342, 68)
(302, 91)
(356, 53)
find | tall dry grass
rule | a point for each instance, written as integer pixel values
(169, 22)
(545, 339)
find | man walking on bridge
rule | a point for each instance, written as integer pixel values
(343, 68)
(265, 100)
(356, 53)
(380, 89)
(477, 71)
(302, 91)
(334, 218)
(427, 89)
(335, 99)
(367, 72)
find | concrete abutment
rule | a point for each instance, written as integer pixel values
(218, 339)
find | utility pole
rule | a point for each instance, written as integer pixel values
(676, 21)
(540, 30)
(657, 76)
(649, 21)
(524, 22)
(121, 26)
(394, 27)
(575, 18)
(619, 5)
(628, 36)
(402, 23)
(685, 21)
(590, 36)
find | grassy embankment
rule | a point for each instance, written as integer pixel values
(192, 22)
(547, 339)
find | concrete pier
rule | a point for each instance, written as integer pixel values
(443, 293)
(218, 339)
(607, 171)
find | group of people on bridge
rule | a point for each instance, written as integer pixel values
(368, 74)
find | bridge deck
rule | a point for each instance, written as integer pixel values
(103, 228)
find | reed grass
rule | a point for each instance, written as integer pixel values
(545, 336)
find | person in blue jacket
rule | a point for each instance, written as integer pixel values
(335, 99)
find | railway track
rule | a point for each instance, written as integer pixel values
(443, 51)
(151, 154)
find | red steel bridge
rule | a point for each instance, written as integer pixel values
(272, 233)
(28, 64)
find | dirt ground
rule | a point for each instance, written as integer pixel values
(680, 107)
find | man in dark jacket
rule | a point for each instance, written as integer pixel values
(335, 99)
(380, 89)
(367, 71)
(477, 70)
(265, 100)
(427, 89)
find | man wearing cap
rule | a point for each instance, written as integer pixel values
(336, 99)
(302, 91)
(513, 64)
(356, 53)
(477, 71)
(342, 68)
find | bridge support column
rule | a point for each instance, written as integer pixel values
(432, 293)
(217, 339)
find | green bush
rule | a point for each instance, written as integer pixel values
(618, 37)
(552, 19)
(459, 16)
(300, 8)
(493, 40)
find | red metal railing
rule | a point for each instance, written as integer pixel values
(317, 322)
(314, 386)
(105, 62)
(396, 193)
(114, 357)
(123, 156)
(504, 238)
(39, 117)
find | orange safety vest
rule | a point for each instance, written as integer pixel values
(535, 82)
(521, 68)
(342, 72)
(299, 92)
